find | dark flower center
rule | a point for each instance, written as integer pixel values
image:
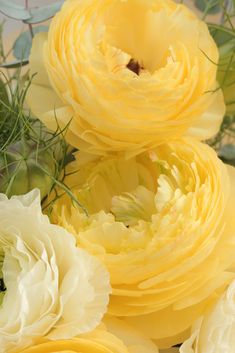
(2, 285)
(134, 66)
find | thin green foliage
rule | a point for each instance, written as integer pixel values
(226, 133)
(27, 144)
(223, 32)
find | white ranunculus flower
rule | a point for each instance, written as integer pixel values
(53, 288)
(215, 332)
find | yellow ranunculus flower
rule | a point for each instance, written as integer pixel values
(163, 224)
(130, 74)
(215, 332)
(117, 337)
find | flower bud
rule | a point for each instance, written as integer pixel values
(25, 166)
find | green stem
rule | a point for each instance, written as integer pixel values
(222, 28)
(29, 25)
(66, 189)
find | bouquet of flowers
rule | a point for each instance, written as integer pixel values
(117, 228)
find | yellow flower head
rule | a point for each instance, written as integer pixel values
(162, 223)
(126, 74)
(113, 337)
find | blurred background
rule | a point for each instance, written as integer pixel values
(13, 25)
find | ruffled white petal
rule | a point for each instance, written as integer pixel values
(54, 289)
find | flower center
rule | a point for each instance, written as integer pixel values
(134, 66)
(135, 31)
(130, 207)
(2, 284)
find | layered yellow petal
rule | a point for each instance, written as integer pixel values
(113, 337)
(127, 75)
(162, 223)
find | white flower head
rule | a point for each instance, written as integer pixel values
(215, 332)
(53, 288)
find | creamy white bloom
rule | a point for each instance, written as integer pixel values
(215, 332)
(52, 287)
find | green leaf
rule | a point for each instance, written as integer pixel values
(227, 48)
(13, 10)
(14, 64)
(43, 13)
(221, 34)
(208, 6)
(22, 45)
(227, 152)
(221, 38)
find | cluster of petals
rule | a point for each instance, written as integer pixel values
(53, 289)
(113, 336)
(126, 75)
(134, 84)
(215, 331)
(162, 224)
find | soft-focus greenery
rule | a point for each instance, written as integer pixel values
(30, 155)
(224, 35)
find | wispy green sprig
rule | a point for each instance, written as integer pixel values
(30, 155)
(223, 32)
